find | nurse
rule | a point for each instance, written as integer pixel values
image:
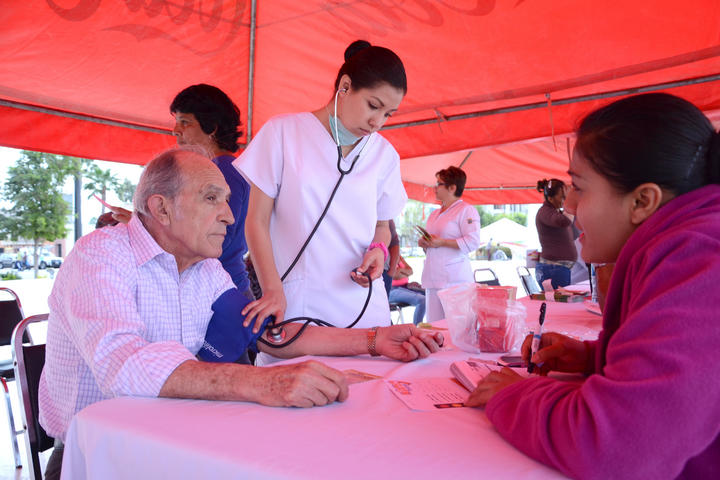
(293, 165)
(454, 232)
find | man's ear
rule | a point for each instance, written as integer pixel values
(646, 199)
(159, 208)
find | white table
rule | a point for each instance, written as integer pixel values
(371, 435)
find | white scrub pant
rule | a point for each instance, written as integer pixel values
(433, 308)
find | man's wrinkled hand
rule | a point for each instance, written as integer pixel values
(306, 384)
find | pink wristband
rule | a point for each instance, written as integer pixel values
(381, 246)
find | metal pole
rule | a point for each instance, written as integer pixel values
(581, 98)
(79, 116)
(78, 204)
(500, 187)
(251, 69)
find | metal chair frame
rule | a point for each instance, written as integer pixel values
(494, 281)
(36, 440)
(526, 278)
(11, 417)
(397, 307)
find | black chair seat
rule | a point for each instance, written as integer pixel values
(395, 306)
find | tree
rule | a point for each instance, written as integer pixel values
(39, 212)
(486, 218)
(99, 182)
(125, 191)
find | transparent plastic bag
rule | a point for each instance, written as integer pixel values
(483, 319)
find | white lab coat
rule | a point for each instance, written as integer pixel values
(293, 159)
(444, 266)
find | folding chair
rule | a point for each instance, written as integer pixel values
(397, 307)
(10, 315)
(29, 362)
(486, 276)
(529, 282)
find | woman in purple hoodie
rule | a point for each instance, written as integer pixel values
(645, 189)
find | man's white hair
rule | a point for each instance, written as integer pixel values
(162, 176)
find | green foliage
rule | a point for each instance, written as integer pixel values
(99, 182)
(486, 218)
(482, 252)
(9, 276)
(412, 215)
(125, 190)
(33, 187)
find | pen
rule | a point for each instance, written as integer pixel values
(536, 339)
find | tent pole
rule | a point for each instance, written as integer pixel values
(466, 158)
(251, 70)
(565, 101)
(483, 189)
(79, 116)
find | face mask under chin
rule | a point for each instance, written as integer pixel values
(344, 136)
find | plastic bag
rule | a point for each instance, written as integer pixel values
(483, 319)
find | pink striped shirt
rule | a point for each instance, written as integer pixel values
(121, 320)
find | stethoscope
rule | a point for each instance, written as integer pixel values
(276, 334)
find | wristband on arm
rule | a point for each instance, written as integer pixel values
(381, 246)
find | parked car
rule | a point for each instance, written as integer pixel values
(46, 260)
(7, 260)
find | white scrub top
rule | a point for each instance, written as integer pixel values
(293, 159)
(446, 266)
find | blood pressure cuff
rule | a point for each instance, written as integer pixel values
(226, 339)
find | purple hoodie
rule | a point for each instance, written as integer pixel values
(651, 409)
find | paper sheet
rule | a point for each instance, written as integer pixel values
(429, 394)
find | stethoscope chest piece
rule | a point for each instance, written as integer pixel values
(276, 335)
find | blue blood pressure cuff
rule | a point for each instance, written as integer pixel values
(226, 339)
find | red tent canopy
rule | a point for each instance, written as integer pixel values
(493, 77)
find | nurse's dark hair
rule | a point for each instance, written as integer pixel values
(369, 66)
(651, 138)
(214, 111)
(551, 187)
(453, 176)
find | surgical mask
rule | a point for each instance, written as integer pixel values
(342, 135)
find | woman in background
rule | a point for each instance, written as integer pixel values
(554, 227)
(646, 191)
(454, 232)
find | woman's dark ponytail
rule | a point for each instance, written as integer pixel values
(713, 159)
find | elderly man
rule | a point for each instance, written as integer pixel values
(131, 305)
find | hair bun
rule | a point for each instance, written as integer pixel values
(355, 47)
(713, 159)
(541, 184)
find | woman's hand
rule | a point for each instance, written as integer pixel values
(372, 264)
(490, 385)
(558, 353)
(271, 303)
(432, 242)
(120, 214)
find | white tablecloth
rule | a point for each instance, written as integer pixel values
(371, 435)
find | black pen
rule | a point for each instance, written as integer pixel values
(535, 346)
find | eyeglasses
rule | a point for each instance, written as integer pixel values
(440, 184)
